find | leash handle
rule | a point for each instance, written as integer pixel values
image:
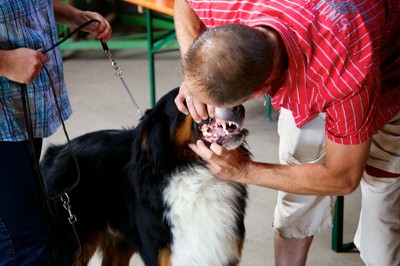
(105, 47)
(71, 33)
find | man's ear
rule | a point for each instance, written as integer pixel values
(261, 91)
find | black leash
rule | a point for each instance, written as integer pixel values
(63, 195)
(72, 33)
(117, 69)
(29, 124)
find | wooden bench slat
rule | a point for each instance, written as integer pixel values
(161, 6)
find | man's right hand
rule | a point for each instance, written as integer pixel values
(197, 109)
(21, 65)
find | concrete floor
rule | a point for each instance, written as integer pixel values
(99, 101)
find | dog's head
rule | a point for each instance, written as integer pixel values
(165, 130)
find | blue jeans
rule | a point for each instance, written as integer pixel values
(23, 229)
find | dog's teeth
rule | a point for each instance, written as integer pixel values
(233, 124)
(223, 124)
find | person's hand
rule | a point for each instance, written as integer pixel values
(102, 29)
(197, 109)
(22, 65)
(224, 164)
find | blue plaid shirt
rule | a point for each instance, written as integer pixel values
(31, 23)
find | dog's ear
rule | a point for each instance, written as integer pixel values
(152, 144)
(151, 157)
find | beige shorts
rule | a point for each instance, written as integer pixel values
(378, 233)
(298, 216)
(385, 147)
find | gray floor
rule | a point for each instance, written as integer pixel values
(99, 101)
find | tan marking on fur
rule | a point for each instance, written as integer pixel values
(240, 243)
(184, 134)
(144, 136)
(114, 248)
(89, 248)
(164, 257)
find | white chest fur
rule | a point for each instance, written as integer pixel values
(202, 217)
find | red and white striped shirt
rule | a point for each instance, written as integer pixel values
(343, 58)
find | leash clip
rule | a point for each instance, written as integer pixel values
(117, 69)
(72, 218)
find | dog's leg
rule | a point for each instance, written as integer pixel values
(164, 257)
(89, 247)
(116, 250)
(116, 253)
(240, 243)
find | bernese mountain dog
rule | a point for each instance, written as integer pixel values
(143, 190)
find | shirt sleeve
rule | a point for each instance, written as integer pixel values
(351, 120)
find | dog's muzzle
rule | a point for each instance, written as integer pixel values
(226, 128)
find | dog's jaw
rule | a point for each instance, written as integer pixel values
(226, 128)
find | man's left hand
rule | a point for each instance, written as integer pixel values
(228, 165)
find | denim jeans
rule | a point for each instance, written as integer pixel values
(23, 229)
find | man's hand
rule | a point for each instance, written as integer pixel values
(197, 109)
(67, 14)
(228, 165)
(102, 29)
(21, 65)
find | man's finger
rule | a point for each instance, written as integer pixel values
(42, 57)
(201, 149)
(193, 110)
(201, 109)
(180, 105)
(217, 149)
(211, 110)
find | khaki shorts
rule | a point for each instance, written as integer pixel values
(298, 216)
(385, 147)
(378, 233)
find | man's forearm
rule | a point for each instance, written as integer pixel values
(187, 25)
(339, 175)
(64, 13)
(310, 179)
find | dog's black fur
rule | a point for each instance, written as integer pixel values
(119, 200)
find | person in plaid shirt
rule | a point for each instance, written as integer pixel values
(28, 27)
(333, 70)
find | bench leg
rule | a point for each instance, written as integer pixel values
(337, 230)
(268, 108)
(150, 54)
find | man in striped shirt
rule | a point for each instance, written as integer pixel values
(333, 70)
(28, 27)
